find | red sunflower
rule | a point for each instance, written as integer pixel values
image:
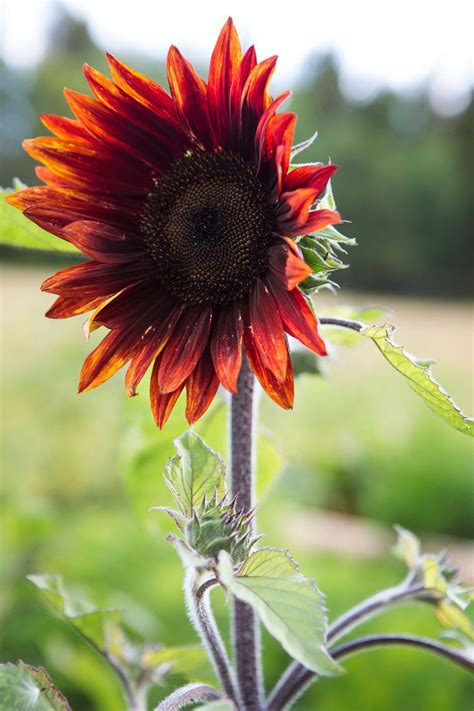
(187, 211)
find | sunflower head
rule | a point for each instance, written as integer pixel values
(185, 206)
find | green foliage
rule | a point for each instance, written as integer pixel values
(26, 688)
(418, 374)
(320, 250)
(138, 664)
(18, 231)
(99, 627)
(209, 521)
(287, 603)
(195, 473)
(441, 583)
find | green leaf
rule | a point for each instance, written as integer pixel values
(195, 473)
(419, 378)
(187, 660)
(407, 546)
(99, 627)
(299, 147)
(27, 688)
(288, 604)
(18, 231)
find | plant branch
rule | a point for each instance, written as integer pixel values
(295, 684)
(246, 633)
(405, 640)
(342, 322)
(197, 596)
(296, 677)
(187, 695)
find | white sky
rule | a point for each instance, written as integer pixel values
(379, 43)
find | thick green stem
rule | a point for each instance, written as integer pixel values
(246, 633)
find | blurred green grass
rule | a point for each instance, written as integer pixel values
(358, 441)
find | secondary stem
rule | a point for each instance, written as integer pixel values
(246, 633)
(203, 619)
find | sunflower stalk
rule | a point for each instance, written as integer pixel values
(246, 632)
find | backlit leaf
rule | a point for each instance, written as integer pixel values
(419, 378)
(27, 688)
(287, 603)
(194, 473)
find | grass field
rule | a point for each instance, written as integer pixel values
(359, 441)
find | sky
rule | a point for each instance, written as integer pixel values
(398, 45)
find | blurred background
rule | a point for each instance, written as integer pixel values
(390, 91)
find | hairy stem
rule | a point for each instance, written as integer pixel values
(298, 683)
(296, 677)
(344, 323)
(197, 595)
(405, 640)
(370, 607)
(246, 633)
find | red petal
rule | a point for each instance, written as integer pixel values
(141, 88)
(275, 153)
(162, 403)
(226, 346)
(162, 129)
(255, 100)
(155, 341)
(264, 122)
(114, 130)
(201, 387)
(95, 279)
(297, 317)
(249, 60)
(319, 219)
(225, 62)
(63, 127)
(103, 242)
(293, 210)
(184, 348)
(67, 306)
(287, 263)
(309, 176)
(281, 392)
(113, 352)
(189, 92)
(86, 164)
(267, 330)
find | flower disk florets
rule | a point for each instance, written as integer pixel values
(208, 225)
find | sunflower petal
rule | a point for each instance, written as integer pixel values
(309, 176)
(189, 92)
(286, 262)
(280, 392)
(297, 317)
(141, 88)
(201, 387)
(103, 242)
(226, 346)
(267, 329)
(154, 342)
(184, 348)
(162, 403)
(67, 306)
(95, 279)
(223, 68)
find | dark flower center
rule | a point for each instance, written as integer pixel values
(208, 225)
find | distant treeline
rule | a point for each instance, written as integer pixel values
(405, 179)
